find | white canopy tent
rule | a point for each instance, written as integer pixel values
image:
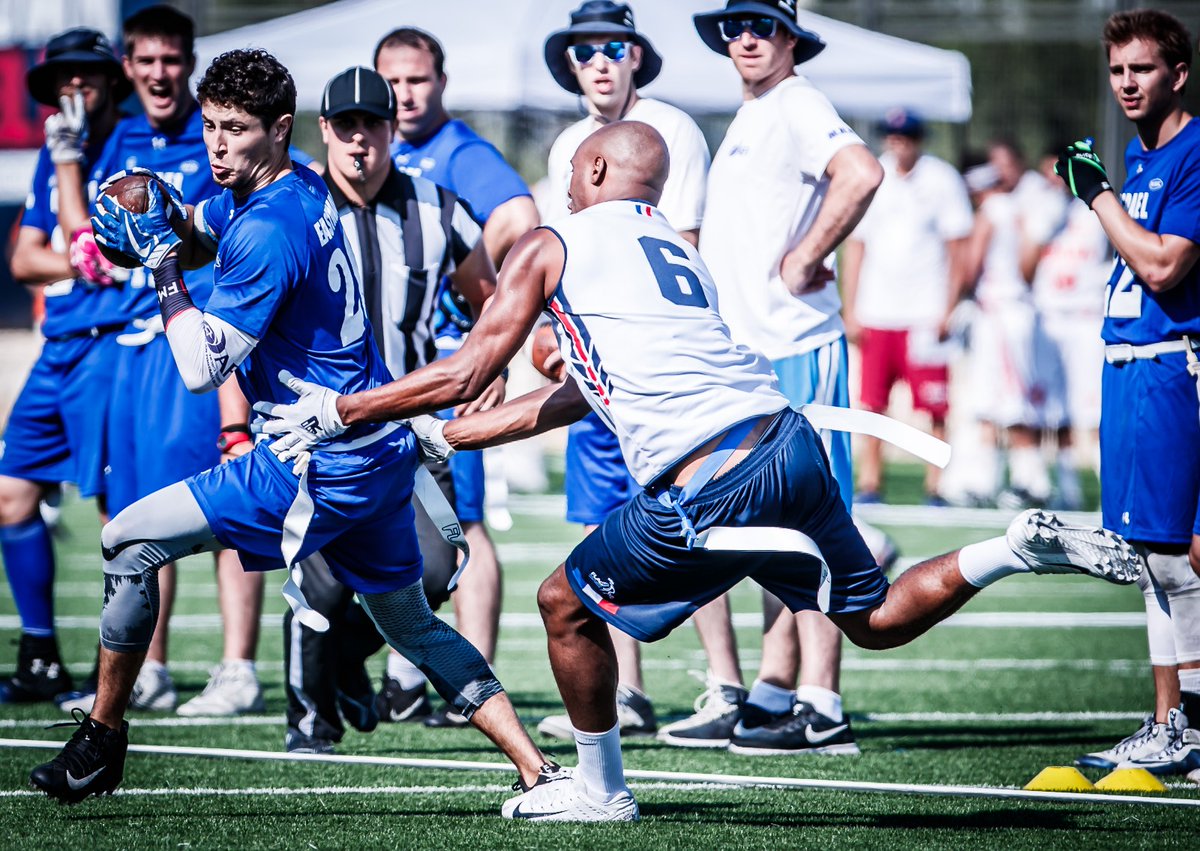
(494, 56)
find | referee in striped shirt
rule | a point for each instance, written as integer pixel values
(405, 235)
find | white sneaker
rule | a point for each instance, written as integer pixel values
(1180, 755)
(232, 689)
(559, 796)
(1048, 545)
(1149, 739)
(153, 691)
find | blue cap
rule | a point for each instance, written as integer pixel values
(902, 122)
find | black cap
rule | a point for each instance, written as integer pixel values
(359, 89)
(80, 46)
(599, 17)
(808, 43)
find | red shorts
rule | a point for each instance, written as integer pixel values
(885, 361)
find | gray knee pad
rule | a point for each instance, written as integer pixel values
(456, 670)
(1172, 592)
(156, 530)
(130, 600)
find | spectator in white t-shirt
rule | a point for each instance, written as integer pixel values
(788, 184)
(902, 277)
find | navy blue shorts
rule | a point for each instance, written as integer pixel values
(159, 432)
(597, 481)
(360, 516)
(1150, 450)
(637, 573)
(55, 432)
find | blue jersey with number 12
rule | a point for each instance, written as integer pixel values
(1162, 194)
(282, 275)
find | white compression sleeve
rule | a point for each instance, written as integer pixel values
(207, 349)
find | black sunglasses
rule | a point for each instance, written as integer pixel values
(732, 28)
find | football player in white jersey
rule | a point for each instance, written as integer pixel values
(787, 186)
(603, 58)
(706, 433)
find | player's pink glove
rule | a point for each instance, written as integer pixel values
(91, 265)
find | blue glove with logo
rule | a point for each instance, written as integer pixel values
(147, 236)
(1083, 172)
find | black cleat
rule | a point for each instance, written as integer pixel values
(41, 675)
(447, 717)
(91, 763)
(394, 704)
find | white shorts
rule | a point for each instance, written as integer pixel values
(1081, 352)
(1017, 375)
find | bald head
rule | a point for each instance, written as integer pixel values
(620, 161)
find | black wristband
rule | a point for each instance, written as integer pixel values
(173, 297)
(242, 427)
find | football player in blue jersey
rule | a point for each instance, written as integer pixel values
(1149, 407)
(55, 432)
(284, 298)
(431, 144)
(192, 432)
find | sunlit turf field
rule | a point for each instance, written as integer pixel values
(1022, 679)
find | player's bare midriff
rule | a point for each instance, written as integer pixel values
(682, 472)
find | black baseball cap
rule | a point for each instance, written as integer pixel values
(359, 89)
(76, 47)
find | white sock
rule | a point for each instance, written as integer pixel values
(405, 672)
(828, 703)
(247, 664)
(150, 666)
(600, 766)
(983, 563)
(772, 698)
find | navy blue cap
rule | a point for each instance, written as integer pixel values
(902, 122)
(76, 47)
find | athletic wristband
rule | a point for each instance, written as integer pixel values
(226, 440)
(242, 427)
(173, 296)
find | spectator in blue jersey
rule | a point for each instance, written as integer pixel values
(55, 431)
(191, 433)
(430, 144)
(284, 299)
(1149, 408)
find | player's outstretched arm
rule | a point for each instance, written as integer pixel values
(543, 410)
(530, 273)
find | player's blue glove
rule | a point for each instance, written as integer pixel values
(311, 419)
(1083, 172)
(170, 193)
(147, 236)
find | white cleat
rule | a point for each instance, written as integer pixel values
(559, 796)
(1048, 545)
(1149, 739)
(232, 689)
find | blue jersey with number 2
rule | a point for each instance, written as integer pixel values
(1162, 194)
(282, 275)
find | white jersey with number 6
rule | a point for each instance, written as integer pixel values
(636, 316)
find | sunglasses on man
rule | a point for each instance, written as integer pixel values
(731, 29)
(582, 54)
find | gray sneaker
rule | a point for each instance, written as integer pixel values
(154, 690)
(718, 711)
(1048, 545)
(635, 715)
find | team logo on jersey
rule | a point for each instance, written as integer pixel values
(605, 586)
(130, 162)
(189, 166)
(738, 151)
(1155, 184)
(427, 163)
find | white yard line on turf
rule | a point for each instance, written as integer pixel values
(939, 717)
(935, 790)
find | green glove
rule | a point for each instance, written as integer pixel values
(1083, 172)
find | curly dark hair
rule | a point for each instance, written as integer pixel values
(250, 80)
